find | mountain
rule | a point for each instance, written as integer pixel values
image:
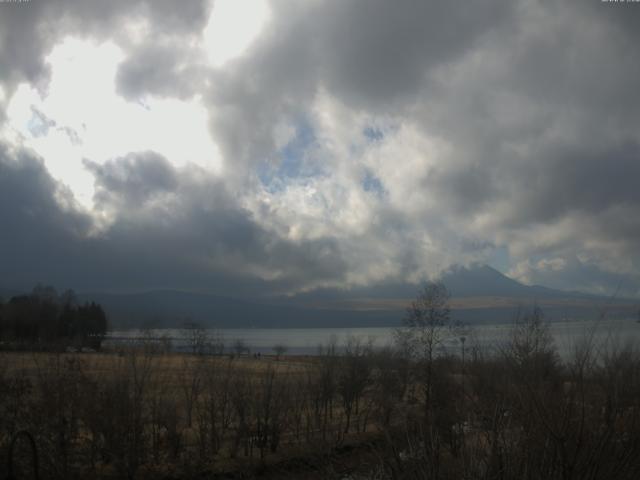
(174, 308)
(479, 294)
(483, 280)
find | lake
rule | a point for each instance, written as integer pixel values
(305, 341)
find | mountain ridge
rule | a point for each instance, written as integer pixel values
(479, 294)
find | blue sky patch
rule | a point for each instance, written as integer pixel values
(373, 133)
(293, 162)
(371, 183)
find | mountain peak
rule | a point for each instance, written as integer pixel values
(482, 280)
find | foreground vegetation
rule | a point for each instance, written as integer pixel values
(411, 412)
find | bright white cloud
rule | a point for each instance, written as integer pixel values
(232, 27)
(81, 116)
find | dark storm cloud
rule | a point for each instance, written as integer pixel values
(583, 178)
(26, 192)
(198, 237)
(37, 234)
(133, 179)
(379, 53)
(373, 55)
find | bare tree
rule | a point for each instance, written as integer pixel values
(531, 346)
(240, 347)
(269, 409)
(280, 349)
(326, 378)
(424, 329)
(191, 384)
(391, 378)
(241, 400)
(195, 336)
(215, 345)
(215, 412)
(426, 320)
(354, 376)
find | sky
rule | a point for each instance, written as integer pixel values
(274, 147)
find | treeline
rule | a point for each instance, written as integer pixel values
(44, 319)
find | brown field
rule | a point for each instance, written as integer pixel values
(140, 413)
(97, 363)
(167, 401)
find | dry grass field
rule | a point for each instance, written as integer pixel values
(141, 413)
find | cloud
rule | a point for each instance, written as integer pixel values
(132, 180)
(582, 275)
(360, 143)
(28, 32)
(40, 223)
(166, 228)
(161, 70)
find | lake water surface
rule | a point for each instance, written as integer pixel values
(305, 341)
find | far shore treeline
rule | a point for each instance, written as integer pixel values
(46, 319)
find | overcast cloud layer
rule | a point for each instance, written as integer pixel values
(348, 143)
